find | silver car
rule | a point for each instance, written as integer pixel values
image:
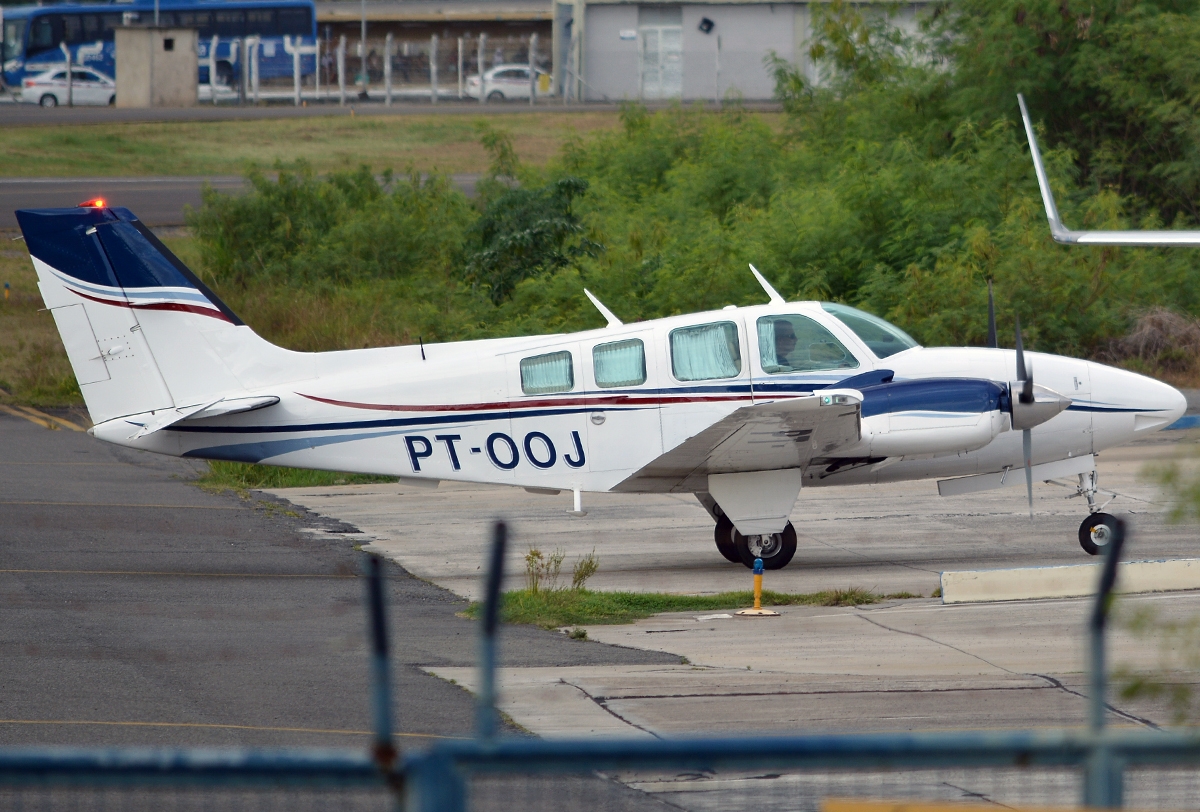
(49, 88)
(508, 82)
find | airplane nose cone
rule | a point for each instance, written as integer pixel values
(1177, 400)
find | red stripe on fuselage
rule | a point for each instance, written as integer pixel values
(603, 400)
(175, 306)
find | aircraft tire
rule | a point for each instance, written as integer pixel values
(723, 535)
(1095, 533)
(777, 554)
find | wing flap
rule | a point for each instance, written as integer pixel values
(764, 437)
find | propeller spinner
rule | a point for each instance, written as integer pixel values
(1032, 405)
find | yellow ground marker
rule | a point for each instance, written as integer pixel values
(332, 732)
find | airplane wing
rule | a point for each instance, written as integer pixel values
(1066, 236)
(763, 437)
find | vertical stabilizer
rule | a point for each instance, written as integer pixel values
(143, 333)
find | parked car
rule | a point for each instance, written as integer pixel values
(507, 82)
(49, 88)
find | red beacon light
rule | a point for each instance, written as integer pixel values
(98, 203)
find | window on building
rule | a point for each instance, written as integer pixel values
(543, 374)
(621, 363)
(706, 352)
(799, 344)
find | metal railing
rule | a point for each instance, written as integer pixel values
(1095, 767)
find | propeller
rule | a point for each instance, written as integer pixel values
(991, 339)
(1025, 397)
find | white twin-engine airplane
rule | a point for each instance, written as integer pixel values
(741, 406)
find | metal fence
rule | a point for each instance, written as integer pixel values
(1097, 767)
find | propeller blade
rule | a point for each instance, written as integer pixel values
(991, 339)
(1024, 371)
(1027, 447)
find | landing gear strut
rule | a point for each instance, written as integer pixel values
(1097, 530)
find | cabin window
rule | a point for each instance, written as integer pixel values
(799, 344)
(706, 352)
(882, 338)
(543, 374)
(621, 363)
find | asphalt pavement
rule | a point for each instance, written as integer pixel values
(158, 201)
(139, 609)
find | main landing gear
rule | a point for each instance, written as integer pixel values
(775, 549)
(1097, 529)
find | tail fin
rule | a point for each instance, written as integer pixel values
(143, 333)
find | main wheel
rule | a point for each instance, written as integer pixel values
(723, 536)
(49, 100)
(775, 550)
(1096, 532)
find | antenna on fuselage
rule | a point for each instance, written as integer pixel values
(613, 321)
(772, 294)
(1064, 235)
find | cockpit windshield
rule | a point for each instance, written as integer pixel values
(882, 338)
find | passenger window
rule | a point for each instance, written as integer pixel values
(543, 374)
(706, 352)
(799, 344)
(621, 363)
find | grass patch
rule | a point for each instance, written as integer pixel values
(443, 142)
(240, 476)
(552, 609)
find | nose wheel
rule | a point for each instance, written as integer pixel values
(1096, 532)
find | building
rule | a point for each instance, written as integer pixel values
(614, 50)
(597, 50)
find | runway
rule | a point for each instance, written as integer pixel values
(157, 201)
(139, 609)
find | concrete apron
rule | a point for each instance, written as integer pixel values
(901, 665)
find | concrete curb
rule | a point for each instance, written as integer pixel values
(1071, 581)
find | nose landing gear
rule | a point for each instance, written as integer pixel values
(1097, 529)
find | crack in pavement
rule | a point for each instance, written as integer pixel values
(603, 705)
(723, 695)
(1051, 680)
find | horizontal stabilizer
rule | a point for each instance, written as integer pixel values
(215, 408)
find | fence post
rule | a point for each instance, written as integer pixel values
(295, 71)
(255, 64)
(317, 72)
(387, 69)
(212, 66)
(433, 73)
(533, 77)
(1103, 779)
(486, 718)
(384, 748)
(433, 784)
(460, 67)
(71, 78)
(341, 67)
(482, 66)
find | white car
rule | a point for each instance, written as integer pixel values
(507, 82)
(49, 88)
